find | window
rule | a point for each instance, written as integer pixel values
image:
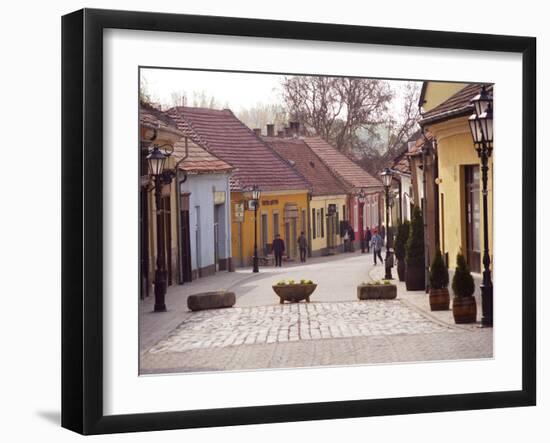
(344, 212)
(322, 220)
(275, 224)
(313, 225)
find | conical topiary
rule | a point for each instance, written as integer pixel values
(439, 275)
(401, 239)
(414, 250)
(463, 282)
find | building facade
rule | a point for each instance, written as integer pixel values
(197, 182)
(283, 204)
(327, 197)
(459, 179)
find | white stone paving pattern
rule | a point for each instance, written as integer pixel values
(235, 326)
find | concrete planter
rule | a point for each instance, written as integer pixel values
(376, 292)
(211, 300)
(294, 293)
(464, 309)
(439, 299)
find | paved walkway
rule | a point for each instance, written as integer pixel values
(335, 329)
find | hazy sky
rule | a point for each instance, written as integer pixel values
(236, 90)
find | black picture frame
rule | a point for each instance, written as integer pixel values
(82, 216)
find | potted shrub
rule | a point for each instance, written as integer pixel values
(294, 292)
(400, 242)
(376, 290)
(439, 280)
(464, 303)
(414, 254)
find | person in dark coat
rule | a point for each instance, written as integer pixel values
(368, 238)
(278, 248)
(302, 244)
(351, 233)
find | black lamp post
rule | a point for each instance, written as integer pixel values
(481, 127)
(387, 176)
(361, 201)
(256, 199)
(156, 160)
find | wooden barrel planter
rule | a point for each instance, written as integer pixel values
(439, 299)
(294, 293)
(415, 278)
(464, 309)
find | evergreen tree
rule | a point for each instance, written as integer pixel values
(401, 239)
(439, 275)
(463, 282)
(415, 242)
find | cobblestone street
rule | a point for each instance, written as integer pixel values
(334, 329)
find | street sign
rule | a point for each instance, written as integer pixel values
(239, 212)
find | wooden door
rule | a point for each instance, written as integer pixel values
(185, 233)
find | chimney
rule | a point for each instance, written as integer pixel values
(257, 131)
(280, 133)
(270, 130)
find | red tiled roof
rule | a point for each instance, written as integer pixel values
(401, 163)
(150, 116)
(199, 160)
(417, 148)
(225, 136)
(456, 105)
(319, 177)
(350, 173)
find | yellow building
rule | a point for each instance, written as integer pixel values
(458, 178)
(283, 206)
(328, 198)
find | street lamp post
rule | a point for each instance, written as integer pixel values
(361, 201)
(387, 176)
(156, 160)
(481, 127)
(256, 199)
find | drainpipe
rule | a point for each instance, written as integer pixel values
(425, 152)
(178, 211)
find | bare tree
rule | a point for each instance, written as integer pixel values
(335, 108)
(261, 114)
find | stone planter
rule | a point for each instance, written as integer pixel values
(439, 299)
(464, 309)
(211, 300)
(401, 269)
(414, 278)
(376, 292)
(294, 293)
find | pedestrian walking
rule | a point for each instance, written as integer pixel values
(346, 240)
(368, 238)
(351, 239)
(302, 244)
(278, 248)
(377, 246)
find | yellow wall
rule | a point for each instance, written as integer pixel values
(242, 233)
(455, 150)
(319, 243)
(437, 92)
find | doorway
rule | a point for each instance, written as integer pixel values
(473, 214)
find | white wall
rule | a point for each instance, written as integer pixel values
(30, 328)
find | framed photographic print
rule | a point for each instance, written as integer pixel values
(270, 221)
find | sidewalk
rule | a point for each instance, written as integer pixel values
(420, 300)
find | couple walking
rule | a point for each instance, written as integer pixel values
(278, 248)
